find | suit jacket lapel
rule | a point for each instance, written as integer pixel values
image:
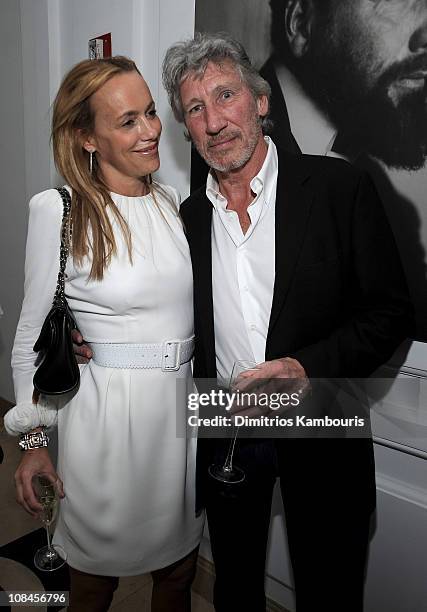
(201, 252)
(293, 205)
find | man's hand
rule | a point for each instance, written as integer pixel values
(277, 368)
(82, 351)
(35, 462)
(278, 377)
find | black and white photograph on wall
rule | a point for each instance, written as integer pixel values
(348, 80)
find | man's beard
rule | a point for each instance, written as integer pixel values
(366, 118)
(245, 153)
(239, 161)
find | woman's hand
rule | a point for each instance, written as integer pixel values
(35, 462)
(82, 351)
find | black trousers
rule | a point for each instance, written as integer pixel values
(328, 490)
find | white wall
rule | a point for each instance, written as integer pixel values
(142, 30)
(13, 216)
(177, 22)
(37, 93)
(84, 20)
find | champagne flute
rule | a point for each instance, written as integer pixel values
(50, 557)
(228, 472)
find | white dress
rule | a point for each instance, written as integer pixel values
(129, 478)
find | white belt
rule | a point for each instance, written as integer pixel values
(168, 355)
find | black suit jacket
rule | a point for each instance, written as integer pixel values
(340, 303)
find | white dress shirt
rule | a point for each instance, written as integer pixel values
(243, 269)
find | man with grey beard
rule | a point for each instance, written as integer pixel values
(294, 268)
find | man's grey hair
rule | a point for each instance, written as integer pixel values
(192, 57)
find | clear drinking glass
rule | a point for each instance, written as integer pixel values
(228, 472)
(50, 557)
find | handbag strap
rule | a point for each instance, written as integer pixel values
(59, 297)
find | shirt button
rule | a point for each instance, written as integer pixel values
(252, 327)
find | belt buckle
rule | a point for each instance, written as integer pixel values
(167, 347)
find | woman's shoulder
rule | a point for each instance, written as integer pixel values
(169, 193)
(48, 202)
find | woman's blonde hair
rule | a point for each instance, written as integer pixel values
(72, 118)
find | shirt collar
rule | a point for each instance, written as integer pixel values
(262, 183)
(312, 130)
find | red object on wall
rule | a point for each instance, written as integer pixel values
(100, 47)
(106, 38)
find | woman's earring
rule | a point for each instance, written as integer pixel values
(90, 162)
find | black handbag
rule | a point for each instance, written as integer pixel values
(57, 370)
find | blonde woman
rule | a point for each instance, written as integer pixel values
(128, 477)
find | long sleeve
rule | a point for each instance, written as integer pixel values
(41, 271)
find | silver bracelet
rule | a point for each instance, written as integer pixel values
(37, 439)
